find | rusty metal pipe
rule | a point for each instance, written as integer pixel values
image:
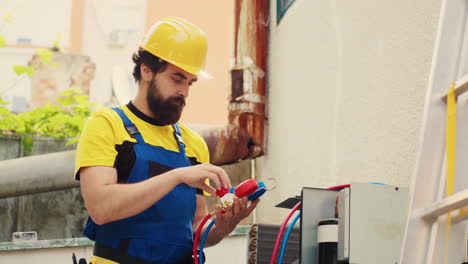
(226, 144)
(248, 88)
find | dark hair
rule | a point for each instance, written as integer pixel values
(153, 62)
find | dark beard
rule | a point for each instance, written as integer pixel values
(164, 111)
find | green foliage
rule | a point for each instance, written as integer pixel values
(7, 17)
(45, 56)
(9, 122)
(3, 102)
(64, 120)
(56, 42)
(20, 69)
(2, 41)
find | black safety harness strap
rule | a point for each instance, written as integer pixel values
(120, 255)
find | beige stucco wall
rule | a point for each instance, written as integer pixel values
(347, 82)
(208, 99)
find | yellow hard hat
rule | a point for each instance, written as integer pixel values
(178, 42)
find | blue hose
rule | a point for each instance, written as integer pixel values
(202, 242)
(285, 238)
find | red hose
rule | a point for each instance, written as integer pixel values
(285, 222)
(280, 233)
(339, 187)
(197, 237)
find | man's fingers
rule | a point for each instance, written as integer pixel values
(252, 205)
(220, 212)
(236, 206)
(243, 203)
(217, 211)
(215, 179)
(221, 174)
(208, 188)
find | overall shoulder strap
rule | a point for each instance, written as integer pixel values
(129, 126)
(178, 137)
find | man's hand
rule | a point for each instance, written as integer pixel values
(195, 176)
(233, 214)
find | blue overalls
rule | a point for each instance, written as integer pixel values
(162, 233)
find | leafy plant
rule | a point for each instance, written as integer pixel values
(63, 120)
(9, 122)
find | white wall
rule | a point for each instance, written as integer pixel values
(231, 250)
(347, 82)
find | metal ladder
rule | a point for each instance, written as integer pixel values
(424, 239)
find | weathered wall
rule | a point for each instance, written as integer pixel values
(65, 71)
(53, 215)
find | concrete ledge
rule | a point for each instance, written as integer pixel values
(240, 231)
(79, 242)
(55, 243)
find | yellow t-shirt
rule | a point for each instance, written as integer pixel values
(105, 141)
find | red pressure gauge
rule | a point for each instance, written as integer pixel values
(246, 188)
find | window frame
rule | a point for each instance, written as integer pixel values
(281, 10)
